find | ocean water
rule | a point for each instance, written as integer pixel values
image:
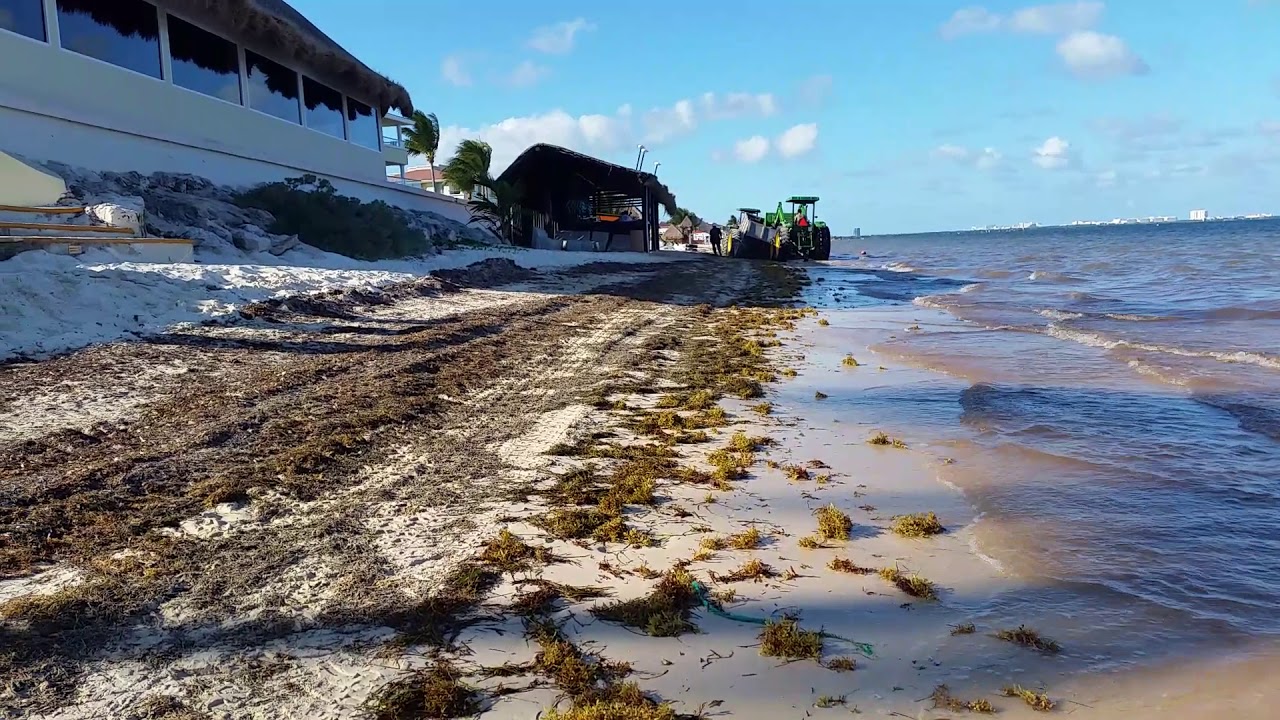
(1113, 407)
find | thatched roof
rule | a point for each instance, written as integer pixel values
(273, 25)
(543, 167)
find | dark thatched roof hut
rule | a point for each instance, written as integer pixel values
(543, 168)
(273, 25)
(571, 191)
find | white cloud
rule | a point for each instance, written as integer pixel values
(558, 39)
(454, 72)
(1052, 154)
(1086, 53)
(970, 21)
(510, 137)
(798, 140)
(1269, 127)
(606, 133)
(1057, 19)
(951, 152)
(751, 150)
(1095, 56)
(1105, 179)
(1052, 19)
(988, 159)
(683, 117)
(662, 124)
(738, 104)
(527, 73)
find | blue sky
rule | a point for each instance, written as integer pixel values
(903, 115)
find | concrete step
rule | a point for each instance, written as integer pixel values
(165, 250)
(48, 210)
(45, 227)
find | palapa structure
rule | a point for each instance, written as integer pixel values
(575, 196)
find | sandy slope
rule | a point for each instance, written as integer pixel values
(51, 304)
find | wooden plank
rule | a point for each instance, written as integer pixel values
(13, 225)
(55, 240)
(59, 210)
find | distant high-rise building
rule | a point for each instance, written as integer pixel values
(1200, 215)
(857, 232)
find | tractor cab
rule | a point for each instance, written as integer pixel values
(808, 237)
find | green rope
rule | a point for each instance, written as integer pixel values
(714, 608)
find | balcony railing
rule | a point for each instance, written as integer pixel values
(392, 142)
(402, 181)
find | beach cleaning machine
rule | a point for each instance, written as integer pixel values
(780, 235)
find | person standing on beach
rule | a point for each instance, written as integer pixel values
(715, 239)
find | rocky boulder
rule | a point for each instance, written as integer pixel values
(117, 211)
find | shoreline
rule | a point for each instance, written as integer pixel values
(431, 507)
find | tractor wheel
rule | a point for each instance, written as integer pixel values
(785, 248)
(822, 251)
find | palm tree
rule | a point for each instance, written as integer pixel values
(499, 209)
(424, 139)
(469, 166)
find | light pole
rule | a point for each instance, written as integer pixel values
(655, 168)
(642, 151)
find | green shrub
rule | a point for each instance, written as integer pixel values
(312, 209)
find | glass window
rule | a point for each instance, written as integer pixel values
(324, 108)
(363, 124)
(273, 88)
(25, 17)
(203, 61)
(121, 32)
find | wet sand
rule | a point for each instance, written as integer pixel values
(915, 649)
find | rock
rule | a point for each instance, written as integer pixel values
(118, 211)
(204, 239)
(284, 244)
(221, 231)
(252, 239)
(181, 205)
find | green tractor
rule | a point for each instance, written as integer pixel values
(780, 235)
(802, 234)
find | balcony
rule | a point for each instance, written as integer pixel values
(393, 152)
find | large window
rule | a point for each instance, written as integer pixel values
(273, 88)
(324, 108)
(363, 124)
(203, 61)
(25, 17)
(121, 32)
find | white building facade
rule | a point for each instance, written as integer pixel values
(237, 91)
